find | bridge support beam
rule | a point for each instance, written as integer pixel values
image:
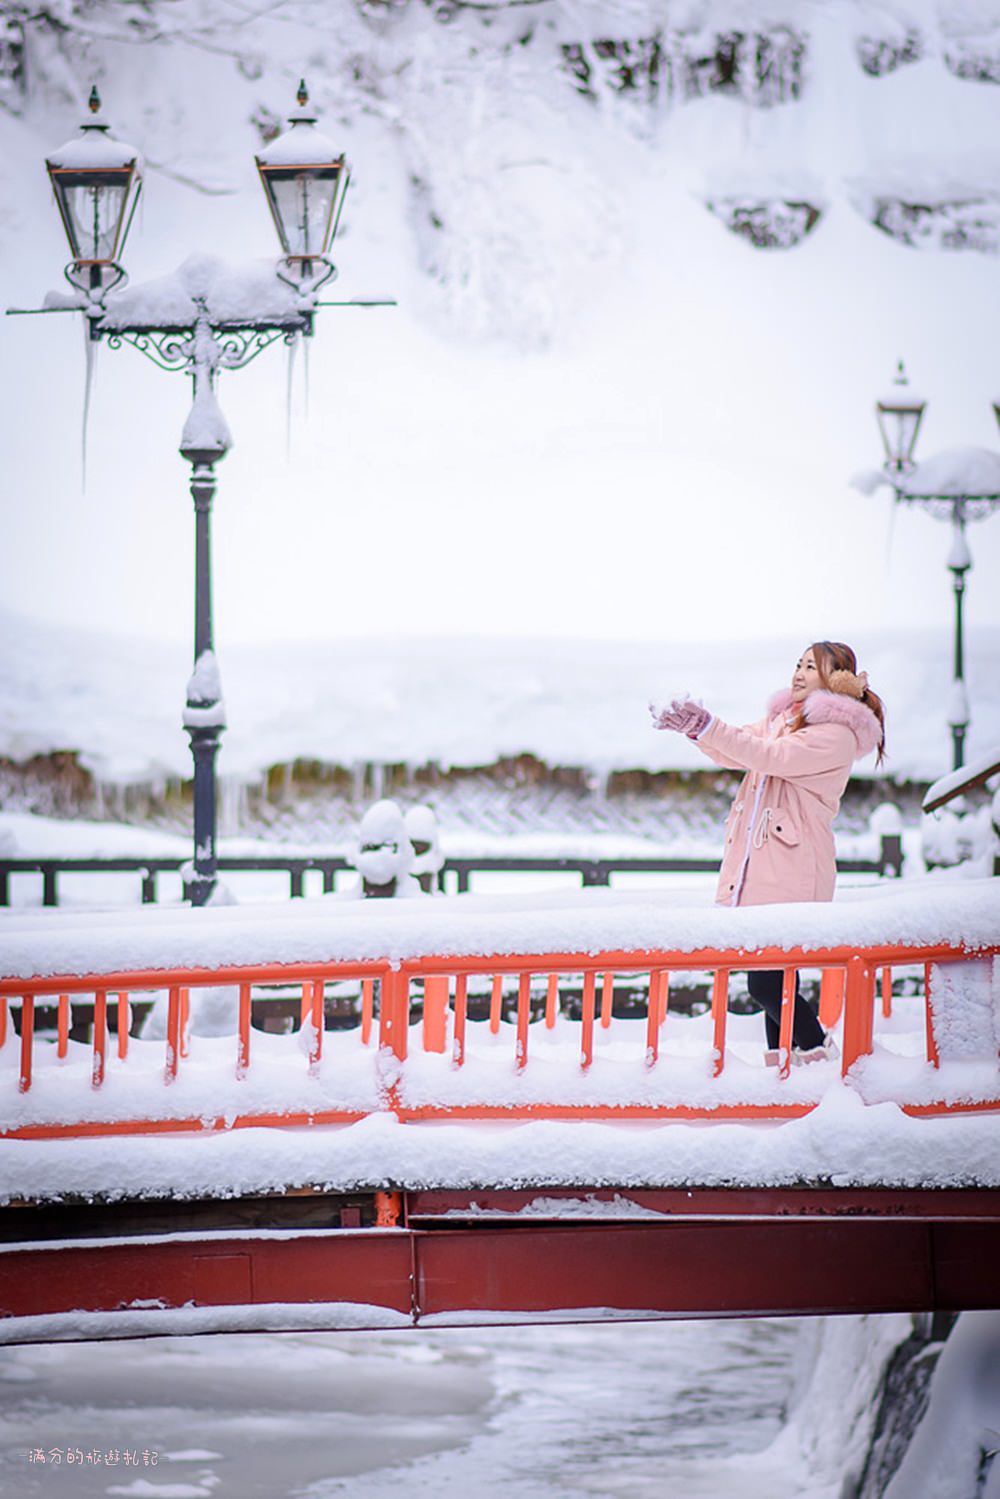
(556, 1254)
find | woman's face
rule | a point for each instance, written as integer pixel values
(805, 677)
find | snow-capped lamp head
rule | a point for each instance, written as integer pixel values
(900, 413)
(96, 181)
(304, 182)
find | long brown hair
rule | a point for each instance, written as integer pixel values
(833, 656)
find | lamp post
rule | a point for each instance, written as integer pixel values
(204, 318)
(958, 485)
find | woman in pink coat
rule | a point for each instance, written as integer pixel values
(779, 834)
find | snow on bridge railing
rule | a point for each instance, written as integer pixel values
(539, 1064)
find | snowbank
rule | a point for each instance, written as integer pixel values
(925, 912)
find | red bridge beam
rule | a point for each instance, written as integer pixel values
(711, 1253)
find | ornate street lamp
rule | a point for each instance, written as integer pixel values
(200, 321)
(958, 485)
(304, 183)
(899, 414)
(96, 181)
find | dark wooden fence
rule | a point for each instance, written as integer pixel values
(888, 862)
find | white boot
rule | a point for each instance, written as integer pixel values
(828, 1052)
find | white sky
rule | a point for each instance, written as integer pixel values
(674, 465)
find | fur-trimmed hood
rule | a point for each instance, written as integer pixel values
(834, 707)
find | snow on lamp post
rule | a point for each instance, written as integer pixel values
(205, 317)
(958, 485)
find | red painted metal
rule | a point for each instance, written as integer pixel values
(27, 1036)
(711, 1252)
(317, 1019)
(764, 1204)
(461, 1016)
(124, 1022)
(100, 1038)
(3, 1019)
(551, 1001)
(523, 1019)
(587, 1020)
(861, 970)
(184, 1023)
(243, 1044)
(831, 997)
(366, 1268)
(367, 1009)
(787, 1021)
(932, 1048)
(62, 1041)
(607, 999)
(173, 1033)
(886, 992)
(720, 998)
(664, 994)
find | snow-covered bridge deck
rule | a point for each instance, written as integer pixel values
(170, 1185)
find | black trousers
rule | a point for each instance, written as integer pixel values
(765, 989)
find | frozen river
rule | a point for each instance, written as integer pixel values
(633, 1409)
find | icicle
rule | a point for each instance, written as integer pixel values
(90, 364)
(289, 387)
(890, 531)
(305, 377)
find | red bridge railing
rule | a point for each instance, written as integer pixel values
(853, 981)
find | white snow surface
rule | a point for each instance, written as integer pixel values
(961, 1425)
(842, 1142)
(983, 765)
(957, 471)
(928, 911)
(466, 701)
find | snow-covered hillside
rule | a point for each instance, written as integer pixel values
(457, 703)
(600, 409)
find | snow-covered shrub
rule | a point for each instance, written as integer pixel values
(882, 54)
(966, 223)
(772, 224)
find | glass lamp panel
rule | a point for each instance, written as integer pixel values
(303, 203)
(899, 426)
(93, 207)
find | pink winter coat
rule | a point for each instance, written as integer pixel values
(779, 834)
